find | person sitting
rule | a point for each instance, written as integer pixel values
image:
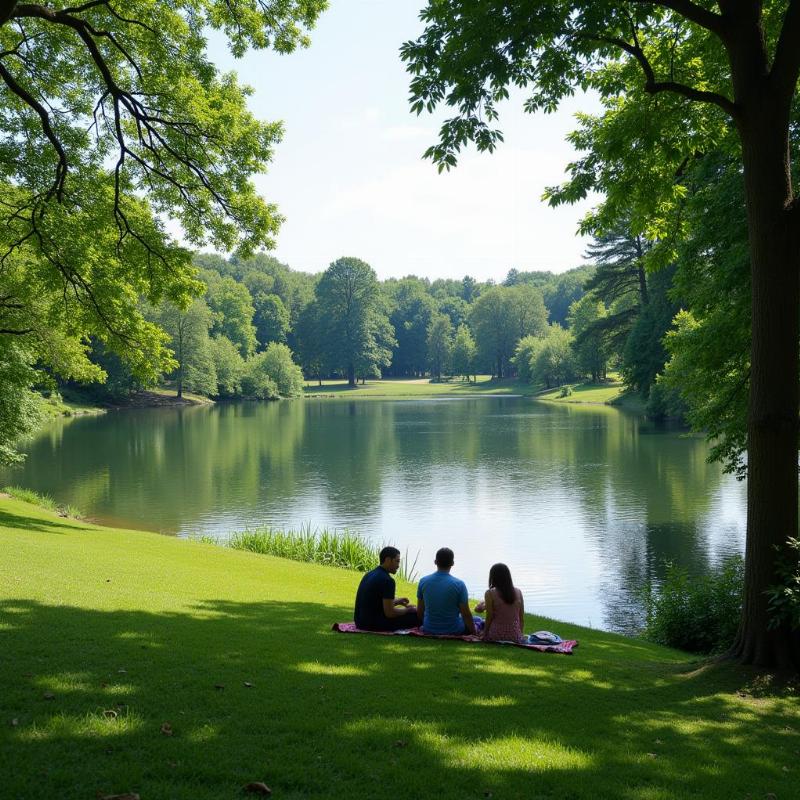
(442, 601)
(504, 607)
(377, 609)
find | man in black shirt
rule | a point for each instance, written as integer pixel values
(376, 606)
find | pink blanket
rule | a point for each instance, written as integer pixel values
(565, 648)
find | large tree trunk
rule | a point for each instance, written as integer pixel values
(772, 490)
(351, 375)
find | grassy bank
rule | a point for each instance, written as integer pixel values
(176, 669)
(421, 388)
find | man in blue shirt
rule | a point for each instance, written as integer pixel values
(442, 601)
(376, 607)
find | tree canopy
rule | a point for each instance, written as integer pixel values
(678, 79)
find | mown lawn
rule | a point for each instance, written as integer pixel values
(401, 388)
(106, 635)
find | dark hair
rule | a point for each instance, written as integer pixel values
(444, 558)
(500, 579)
(388, 552)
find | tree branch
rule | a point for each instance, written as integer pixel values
(691, 11)
(652, 86)
(6, 10)
(57, 188)
(786, 65)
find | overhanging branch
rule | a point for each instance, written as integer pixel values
(652, 86)
(786, 65)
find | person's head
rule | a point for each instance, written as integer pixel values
(500, 579)
(390, 559)
(444, 558)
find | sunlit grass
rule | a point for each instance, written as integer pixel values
(233, 652)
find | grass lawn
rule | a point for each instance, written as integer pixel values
(105, 636)
(406, 388)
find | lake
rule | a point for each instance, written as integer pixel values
(584, 503)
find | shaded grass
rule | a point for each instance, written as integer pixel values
(147, 626)
(333, 548)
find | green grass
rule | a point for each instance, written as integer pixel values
(333, 548)
(608, 392)
(146, 627)
(421, 388)
(44, 501)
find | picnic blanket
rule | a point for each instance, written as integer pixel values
(565, 647)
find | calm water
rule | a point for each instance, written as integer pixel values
(584, 503)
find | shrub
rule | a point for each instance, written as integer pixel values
(698, 614)
(272, 373)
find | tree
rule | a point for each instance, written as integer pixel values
(410, 318)
(229, 366)
(188, 332)
(19, 406)
(463, 355)
(500, 317)
(524, 356)
(232, 311)
(440, 343)
(277, 362)
(114, 120)
(271, 319)
(552, 362)
(590, 354)
(691, 71)
(311, 345)
(355, 324)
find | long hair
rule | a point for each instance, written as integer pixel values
(500, 579)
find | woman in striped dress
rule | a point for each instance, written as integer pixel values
(504, 607)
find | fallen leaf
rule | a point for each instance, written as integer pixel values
(49, 696)
(400, 743)
(785, 769)
(487, 793)
(248, 684)
(122, 671)
(166, 729)
(658, 741)
(257, 787)
(652, 755)
(109, 713)
(221, 685)
(14, 722)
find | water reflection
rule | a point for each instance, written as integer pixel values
(584, 503)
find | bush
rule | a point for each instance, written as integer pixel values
(700, 615)
(272, 373)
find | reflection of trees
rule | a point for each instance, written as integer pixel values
(162, 465)
(528, 475)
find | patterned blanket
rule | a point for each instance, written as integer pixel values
(565, 648)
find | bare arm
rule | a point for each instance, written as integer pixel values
(489, 602)
(391, 609)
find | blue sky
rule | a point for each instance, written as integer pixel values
(349, 176)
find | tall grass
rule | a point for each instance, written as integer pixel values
(44, 501)
(321, 546)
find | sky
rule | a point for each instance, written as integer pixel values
(350, 179)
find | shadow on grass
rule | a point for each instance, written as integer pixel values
(335, 715)
(34, 523)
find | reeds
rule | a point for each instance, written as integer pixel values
(320, 546)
